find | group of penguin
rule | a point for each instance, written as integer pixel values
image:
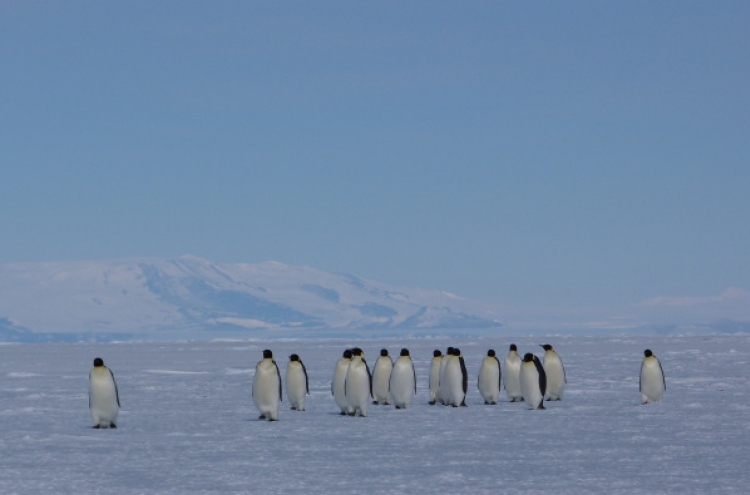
(529, 380)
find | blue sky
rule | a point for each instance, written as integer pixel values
(535, 154)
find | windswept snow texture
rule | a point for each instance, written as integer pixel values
(187, 423)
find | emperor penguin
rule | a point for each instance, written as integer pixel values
(403, 383)
(533, 381)
(338, 383)
(104, 400)
(652, 383)
(442, 387)
(556, 378)
(381, 376)
(358, 384)
(457, 380)
(490, 378)
(437, 358)
(267, 387)
(297, 384)
(511, 373)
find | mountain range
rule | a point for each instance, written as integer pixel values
(191, 297)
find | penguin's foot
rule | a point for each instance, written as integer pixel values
(112, 425)
(342, 413)
(293, 408)
(398, 407)
(351, 414)
(432, 402)
(375, 403)
(262, 416)
(96, 427)
(486, 403)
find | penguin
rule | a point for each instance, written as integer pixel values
(297, 384)
(442, 387)
(267, 387)
(652, 383)
(533, 381)
(338, 389)
(556, 377)
(490, 378)
(437, 358)
(358, 384)
(403, 382)
(511, 373)
(104, 399)
(457, 380)
(381, 375)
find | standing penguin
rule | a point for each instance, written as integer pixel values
(457, 379)
(533, 381)
(511, 373)
(267, 387)
(437, 358)
(490, 378)
(358, 384)
(652, 383)
(104, 400)
(556, 378)
(297, 384)
(403, 382)
(442, 384)
(381, 375)
(338, 384)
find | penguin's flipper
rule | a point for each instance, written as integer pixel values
(415, 377)
(640, 377)
(663, 378)
(278, 373)
(499, 373)
(307, 382)
(542, 376)
(464, 373)
(117, 394)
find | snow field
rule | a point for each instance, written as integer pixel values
(187, 423)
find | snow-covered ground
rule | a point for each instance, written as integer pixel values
(187, 423)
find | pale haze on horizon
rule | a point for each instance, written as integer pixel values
(550, 154)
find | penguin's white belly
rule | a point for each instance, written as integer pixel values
(511, 379)
(442, 395)
(339, 381)
(553, 368)
(489, 382)
(266, 391)
(296, 387)
(103, 398)
(380, 381)
(402, 384)
(454, 382)
(652, 382)
(358, 389)
(529, 378)
(435, 379)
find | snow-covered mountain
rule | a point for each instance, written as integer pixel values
(192, 297)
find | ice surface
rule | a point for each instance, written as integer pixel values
(187, 423)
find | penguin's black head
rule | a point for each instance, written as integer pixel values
(648, 353)
(383, 352)
(513, 347)
(267, 354)
(294, 357)
(100, 361)
(456, 351)
(348, 354)
(491, 353)
(546, 347)
(437, 353)
(356, 351)
(404, 352)
(528, 357)
(449, 351)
